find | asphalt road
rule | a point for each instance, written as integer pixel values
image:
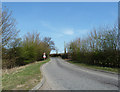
(61, 75)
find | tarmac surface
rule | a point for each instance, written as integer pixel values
(61, 75)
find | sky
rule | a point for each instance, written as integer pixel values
(62, 21)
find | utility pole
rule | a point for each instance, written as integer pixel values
(56, 50)
(64, 47)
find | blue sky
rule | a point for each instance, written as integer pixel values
(62, 21)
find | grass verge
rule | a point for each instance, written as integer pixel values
(114, 70)
(24, 78)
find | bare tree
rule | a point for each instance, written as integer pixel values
(49, 43)
(8, 25)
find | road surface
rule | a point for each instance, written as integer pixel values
(61, 75)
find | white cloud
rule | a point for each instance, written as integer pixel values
(69, 32)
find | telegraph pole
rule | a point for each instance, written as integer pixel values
(64, 47)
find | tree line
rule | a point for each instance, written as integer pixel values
(100, 48)
(18, 51)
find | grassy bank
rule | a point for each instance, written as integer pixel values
(94, 66)
(24, 77)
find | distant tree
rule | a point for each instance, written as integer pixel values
(49, 43)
